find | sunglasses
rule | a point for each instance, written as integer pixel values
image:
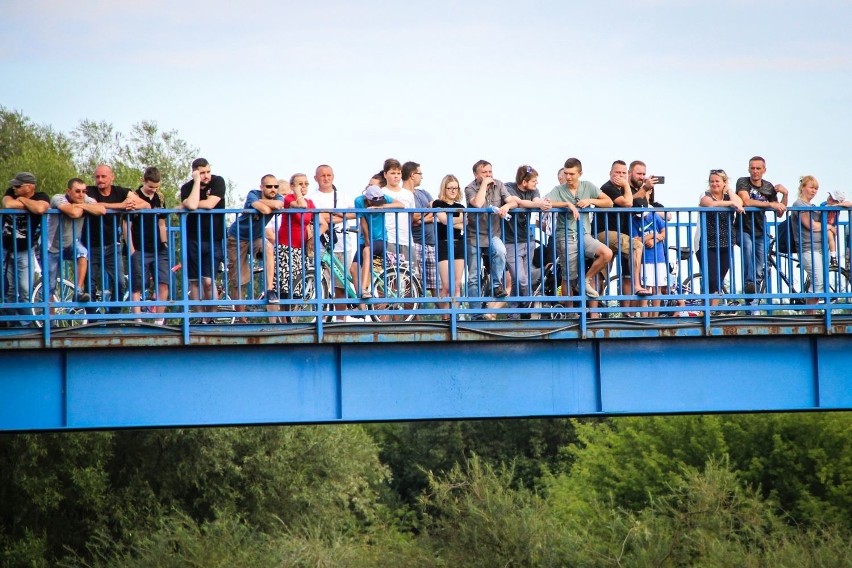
(271, 186)
(717, 172)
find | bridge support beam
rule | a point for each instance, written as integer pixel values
(93, 388)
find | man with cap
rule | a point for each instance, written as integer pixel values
(373, 235)
(20, 235)
(63, 235)
(836, 198)
(756, 192)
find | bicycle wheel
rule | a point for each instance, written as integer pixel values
(839, 285)
(611, 289)
(394, 284)
(65, 292)
(309, 293)
(225, 314)
(694, 285)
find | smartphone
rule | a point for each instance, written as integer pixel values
(660, 179)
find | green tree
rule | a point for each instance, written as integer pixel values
(98, 142)
(414, 449)
(27, 147)
(476, 518)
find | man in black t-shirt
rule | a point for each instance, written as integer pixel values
(750, 236)
(149, 244)
(20, 235)
(105, 236)
(205, 233)
(626, 189)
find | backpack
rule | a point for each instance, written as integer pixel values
(785, 238)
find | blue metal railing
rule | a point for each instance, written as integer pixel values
(321, 284)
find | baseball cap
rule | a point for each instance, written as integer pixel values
(373, 192)
(22, 178)
(837, 195)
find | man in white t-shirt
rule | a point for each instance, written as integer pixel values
(398, 224)
(326, 197)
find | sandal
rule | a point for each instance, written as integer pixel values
(644, 292)
(366, 294)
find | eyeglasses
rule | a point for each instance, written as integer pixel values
(452, 188)
(271, 186)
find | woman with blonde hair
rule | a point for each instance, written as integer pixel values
(719, 232)
(295, 238)
(807, 228)
(449, 229)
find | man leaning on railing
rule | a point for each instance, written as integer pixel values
(574, 195)
(63, 236)
(20, 235)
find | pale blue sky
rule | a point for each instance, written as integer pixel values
(280, 87)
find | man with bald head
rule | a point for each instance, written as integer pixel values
(106, 238)
(246, 240)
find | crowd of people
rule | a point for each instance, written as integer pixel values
(283, 219)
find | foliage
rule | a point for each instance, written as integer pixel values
(60, 490)
(27, 147)
(98, 142)
(476, 518)
(707, 519)
(799, 461)
(413, 450)
(803, 461)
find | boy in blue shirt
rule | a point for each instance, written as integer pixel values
(373, 235)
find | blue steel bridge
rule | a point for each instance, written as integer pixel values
(404, 354)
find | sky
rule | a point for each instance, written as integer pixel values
(280, 87)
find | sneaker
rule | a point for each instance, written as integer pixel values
(272, 297)
(499, 291)
(513, 317)
(749, 288)
(591, 291)
(160, 321)
(84, 297)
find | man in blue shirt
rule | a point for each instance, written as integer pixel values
(247, 230)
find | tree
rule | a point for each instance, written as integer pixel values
(26, 147)
(98, 142)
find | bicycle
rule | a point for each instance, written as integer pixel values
(679, 291)
(392, 280)
(61, 313)
(786, 268)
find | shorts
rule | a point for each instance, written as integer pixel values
(621, 245)
(444, 250)
(655, 275)
(71, 252)
(568, 254)
(430, 278)
(377, 248)
(204, 260)
(236, 248)
(142, 269)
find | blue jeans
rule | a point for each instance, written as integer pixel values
(16, 274)
(754, 258)
(54, 272)
(497, 255)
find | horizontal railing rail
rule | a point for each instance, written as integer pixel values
(187, 270)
